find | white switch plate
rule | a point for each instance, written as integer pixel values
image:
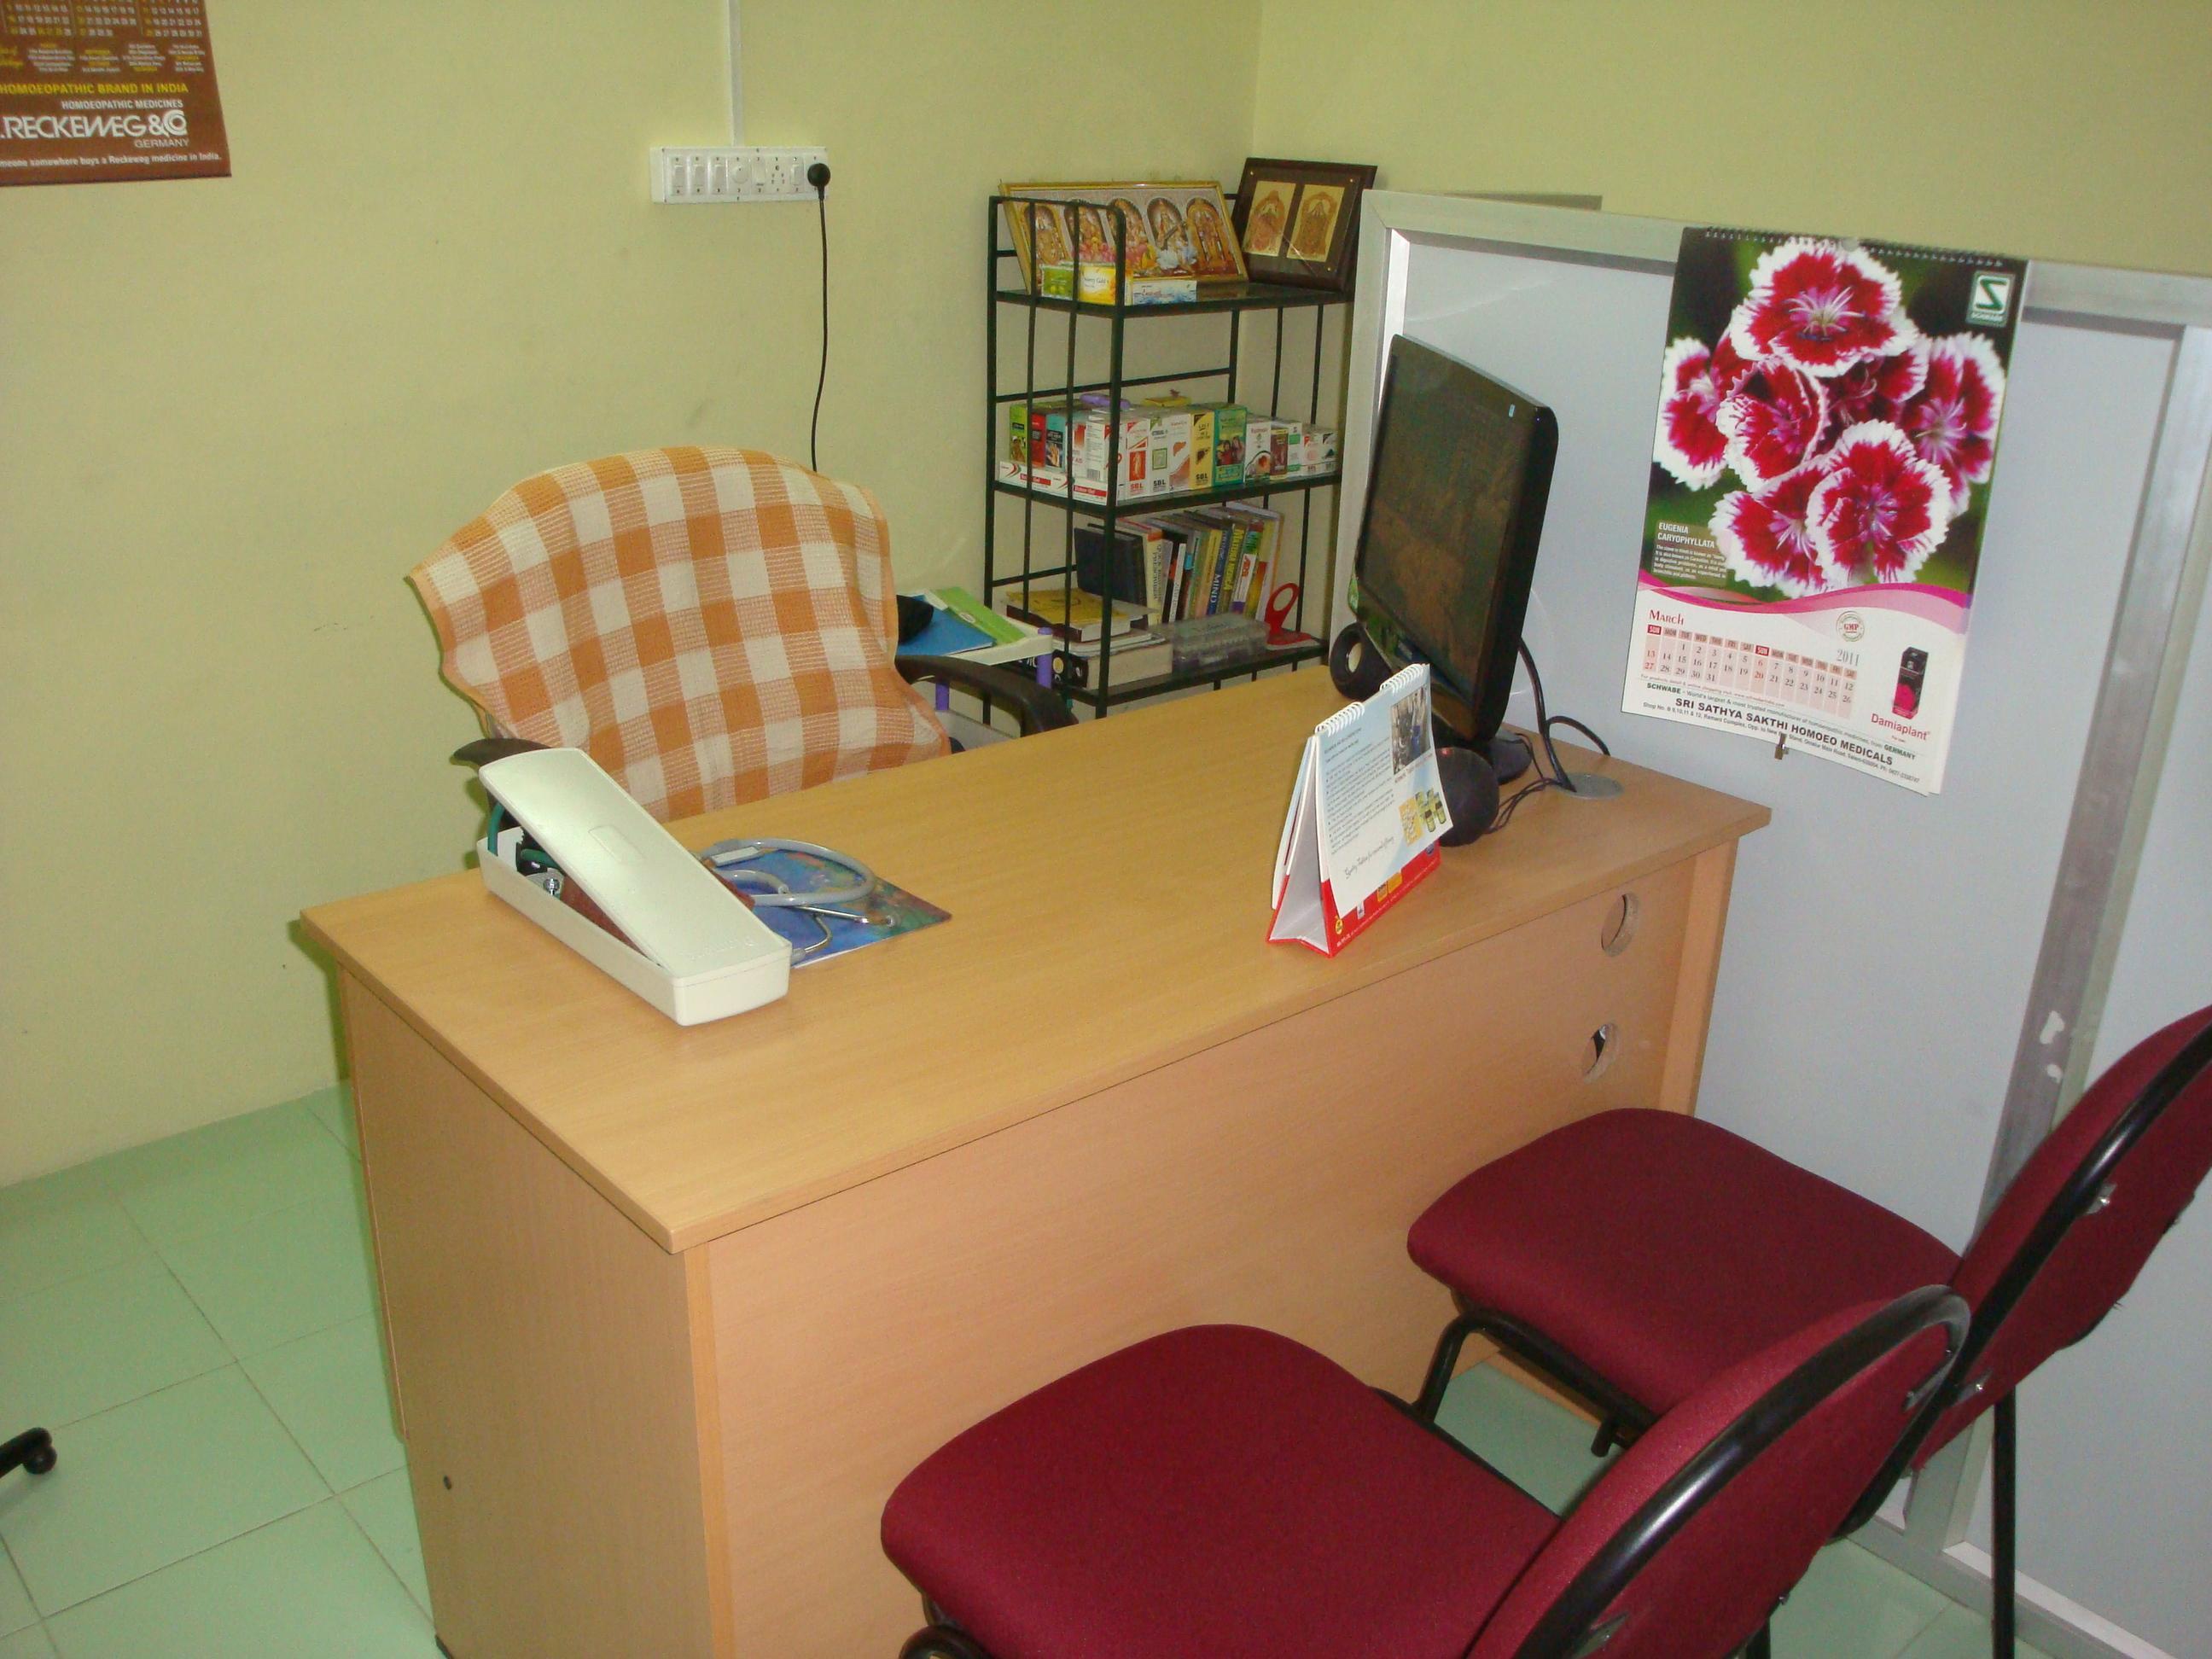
(748, 172)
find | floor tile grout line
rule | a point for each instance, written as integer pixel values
(151, 1394)
(213, 1332)
(237, 1363)
(7, 1297)
(228, 1345)
(193, 1555)
(107, 1191)
(194, 1161)
(1934, 1620)
(8, 1557)
(270, 1406)
(349, 1144)
(239, 1360)
(377, 1549)
(240, 1224)
(206, 1319)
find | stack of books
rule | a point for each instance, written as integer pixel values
(1073, 618)
(1207, 562)
(1081, 623)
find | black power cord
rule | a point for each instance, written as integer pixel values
(1544, 721)
(819, 176)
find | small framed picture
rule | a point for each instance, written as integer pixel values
(1176, 229)
(1298, 221)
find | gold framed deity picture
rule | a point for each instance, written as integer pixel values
(1180, 228)
(1298, 223)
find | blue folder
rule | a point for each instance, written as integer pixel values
(945, 636)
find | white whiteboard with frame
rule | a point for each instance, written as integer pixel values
(1871, 1017)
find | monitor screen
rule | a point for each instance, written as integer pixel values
(1460, 468)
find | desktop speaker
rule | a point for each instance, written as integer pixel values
(1470, 792)
(1356, 668)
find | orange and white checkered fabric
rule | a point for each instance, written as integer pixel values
(710, 625)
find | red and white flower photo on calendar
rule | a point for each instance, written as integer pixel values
(1827, 437)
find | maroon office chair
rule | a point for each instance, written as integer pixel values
(1226, 1492)
(1637, 1253)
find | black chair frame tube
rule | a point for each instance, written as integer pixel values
(1575, 1618)
(940, 1642)
(1037, 707)
(1624, 1418)
(2081, 1199)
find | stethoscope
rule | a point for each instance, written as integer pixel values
(731, 860)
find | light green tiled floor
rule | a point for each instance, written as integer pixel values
(1852, 1604)
(195, 1321)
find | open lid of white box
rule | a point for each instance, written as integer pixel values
(671, 908)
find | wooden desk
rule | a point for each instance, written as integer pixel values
(670, 1311)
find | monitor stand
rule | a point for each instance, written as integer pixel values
(1508, 757)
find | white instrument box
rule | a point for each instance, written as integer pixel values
(686, 943)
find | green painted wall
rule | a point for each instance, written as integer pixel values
(234, 412)
(2057, 129)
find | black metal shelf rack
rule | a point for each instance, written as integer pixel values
(1101, 693)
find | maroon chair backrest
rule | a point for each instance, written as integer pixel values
(2082, 1216)
(1682, 1549)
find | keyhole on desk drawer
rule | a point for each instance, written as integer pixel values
(1597, 1053)
(1619, 926)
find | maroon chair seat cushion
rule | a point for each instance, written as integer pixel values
(1218, 1491)
(1660, 1250)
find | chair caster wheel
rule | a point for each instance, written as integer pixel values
(40, 1461)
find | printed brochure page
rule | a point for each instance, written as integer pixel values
(1365, 815)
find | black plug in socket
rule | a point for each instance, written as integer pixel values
(819, 176)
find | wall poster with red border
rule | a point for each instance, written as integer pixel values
(1828, 432)
(103, 89)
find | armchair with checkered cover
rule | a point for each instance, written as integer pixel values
(710, 625)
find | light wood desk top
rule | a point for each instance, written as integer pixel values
(1108, 887)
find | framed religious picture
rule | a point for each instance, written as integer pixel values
(1298, 221)
(1171, 233)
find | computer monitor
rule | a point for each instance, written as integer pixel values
(1460, 471)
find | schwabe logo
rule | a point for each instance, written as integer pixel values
(1991, 302)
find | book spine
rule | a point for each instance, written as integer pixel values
(1147, 532)
(1263, 571)
(1271, 541)
(1248, 556)
(1264, 525)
